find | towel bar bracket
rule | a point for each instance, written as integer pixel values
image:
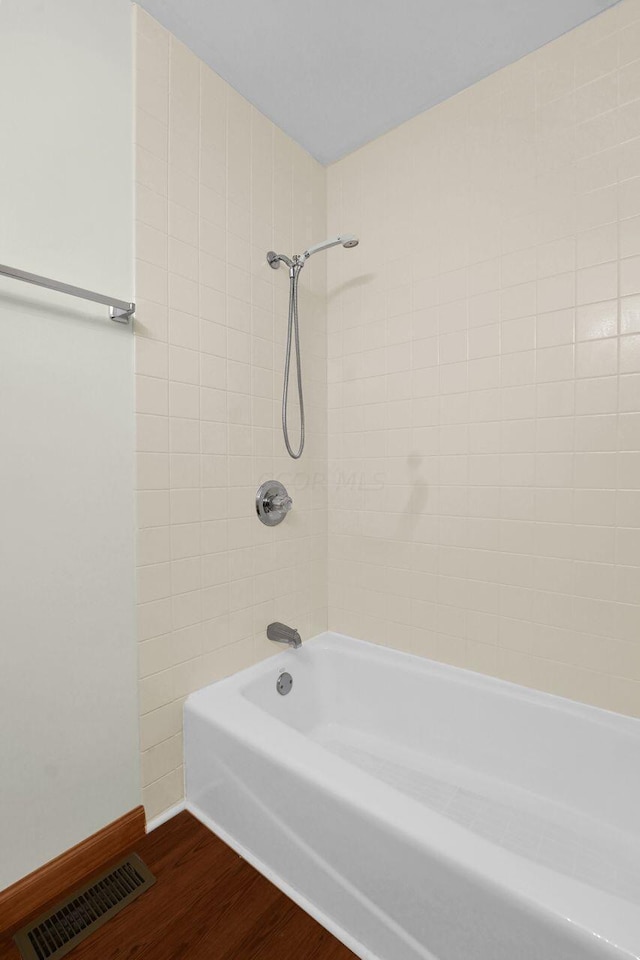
(122, 315)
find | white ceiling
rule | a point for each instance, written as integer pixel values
(334, 74)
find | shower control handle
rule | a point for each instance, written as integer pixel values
(282, 503)
(273, 502)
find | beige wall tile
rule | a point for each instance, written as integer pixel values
(472, 380)
(213, 174)
(514, 464)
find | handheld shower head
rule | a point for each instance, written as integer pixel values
(346, 239)
(295, 265)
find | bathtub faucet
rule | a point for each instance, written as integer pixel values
(281, 633)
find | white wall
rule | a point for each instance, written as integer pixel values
(68, 741)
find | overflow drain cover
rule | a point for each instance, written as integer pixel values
(284, 684)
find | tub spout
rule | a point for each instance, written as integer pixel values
(281, 633)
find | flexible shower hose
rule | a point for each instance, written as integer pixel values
(293, 332)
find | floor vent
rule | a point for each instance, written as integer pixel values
(62, 928)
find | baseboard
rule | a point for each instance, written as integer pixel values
(165, 815)
(34, 892)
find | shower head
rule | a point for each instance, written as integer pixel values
(274, 259)
(346, 239)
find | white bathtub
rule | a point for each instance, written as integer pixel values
(422, 811)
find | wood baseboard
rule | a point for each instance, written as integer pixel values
(32, 894)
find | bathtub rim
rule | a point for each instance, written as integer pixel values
(330, 640)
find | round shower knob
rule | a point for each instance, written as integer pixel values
(281, 503)
(272, 502)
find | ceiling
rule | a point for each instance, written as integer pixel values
(334, 74)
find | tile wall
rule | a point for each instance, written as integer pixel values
(484, 375)
(478, 354)
(217, 186)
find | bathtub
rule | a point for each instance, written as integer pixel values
(422, 811)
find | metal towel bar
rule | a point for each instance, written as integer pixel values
(119, 310)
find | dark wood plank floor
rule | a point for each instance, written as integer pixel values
(207, 904)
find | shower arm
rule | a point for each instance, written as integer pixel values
(273, 259)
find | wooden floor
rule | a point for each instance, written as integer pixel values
(207, 904)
